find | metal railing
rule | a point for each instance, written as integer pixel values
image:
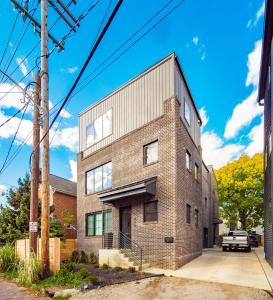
(128, 247)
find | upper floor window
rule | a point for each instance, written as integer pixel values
(151, 153)
(196, 171)
(196, 217)
(187, 112)
(188, 213)
(99, 179)
(99, 129)
(188, 160)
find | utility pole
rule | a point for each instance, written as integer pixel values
(45, 141)
(33, 221)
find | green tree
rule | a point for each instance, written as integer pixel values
(240, 185)
(14, 216)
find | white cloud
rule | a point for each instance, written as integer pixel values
(252, 23)
(204, 117)
(244, 112)
(256, 137)
(203, 56)
(73, 169)
(3, 188)
(11, 96)
(72, 70)
(64, 113)
(216, 153)
(253, 64)
(66, 137)
(195, 40)
(23, 65)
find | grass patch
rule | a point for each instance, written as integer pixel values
(29, 270)
(8, 259)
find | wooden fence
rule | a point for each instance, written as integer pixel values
(58, 250)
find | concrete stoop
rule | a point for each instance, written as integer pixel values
(123, 258)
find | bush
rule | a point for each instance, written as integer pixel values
(96, 266)
(92, 258)
(62, 278)
(75, 256)
(131, 269)
(29, 270)
(84, 272)
(92, 279)
(105, 266)
(8, 259)
(118, 269)
(83, 257)
(69, 266)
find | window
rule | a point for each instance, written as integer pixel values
(99, 222)
(187, 112)
(196, 171)
(188, 160)
(206, 202)
(99, 179)
(188, 213)
(196, 217)
(150, 211)
(99, 129)
(151, 153)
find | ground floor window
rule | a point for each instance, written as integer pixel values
(151, 211)
(188, 213)
(98, 223)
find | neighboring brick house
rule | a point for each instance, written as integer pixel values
(140, 169)
(265, 97)
(210, 207)
(63, 195)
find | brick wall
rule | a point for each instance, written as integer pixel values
(175, 187)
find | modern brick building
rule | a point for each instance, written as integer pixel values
(140, 170)
(265, 98)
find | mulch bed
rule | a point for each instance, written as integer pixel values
(111, 276)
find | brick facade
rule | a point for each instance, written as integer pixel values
(175, 188)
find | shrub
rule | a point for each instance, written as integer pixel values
(84, 272)
(92, 258)
(83, 257)
(118, 269)
(75, 256)
(105, 266)
(62, 278)
(92, 279)
(8, 259)
(69, 266)
(29, 270)
(131, 269)
(96, 266)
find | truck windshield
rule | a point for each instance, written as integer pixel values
(237, 233)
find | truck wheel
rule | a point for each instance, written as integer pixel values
(248, 249)
(224, 248)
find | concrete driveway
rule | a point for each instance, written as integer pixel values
(238, 268)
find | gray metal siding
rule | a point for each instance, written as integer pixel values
(133, 105)
(182, 93)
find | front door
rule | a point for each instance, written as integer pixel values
(125, 227)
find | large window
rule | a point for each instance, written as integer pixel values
(99, 129)
(196, 217)
(151, 153)
(99, 179)
(188, 213)
(196, 171)
(187, 112)
(188, 160)
(150, 211)
(98, 223)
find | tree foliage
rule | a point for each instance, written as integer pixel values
(240, 185)
(14, 216)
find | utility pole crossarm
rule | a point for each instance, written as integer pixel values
(36, 23)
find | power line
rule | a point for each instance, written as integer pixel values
(8, 41)
(14, 115)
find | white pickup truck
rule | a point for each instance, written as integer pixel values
(237, 239)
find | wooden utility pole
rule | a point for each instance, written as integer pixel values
(33, 221)
(45, 141)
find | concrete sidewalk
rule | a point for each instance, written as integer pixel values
(238, 268)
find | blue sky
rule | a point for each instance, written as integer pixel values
(218, 44)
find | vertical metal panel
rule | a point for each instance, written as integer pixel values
(134, 104)
(182, 93)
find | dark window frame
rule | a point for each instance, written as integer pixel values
(188, 213)
(144, 211)
(196, 217)
(206, 202)
(103, 212)
(86, 172)
(145, 163)
(196, 171)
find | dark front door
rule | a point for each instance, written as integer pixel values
(125, 227)
(205, 238)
